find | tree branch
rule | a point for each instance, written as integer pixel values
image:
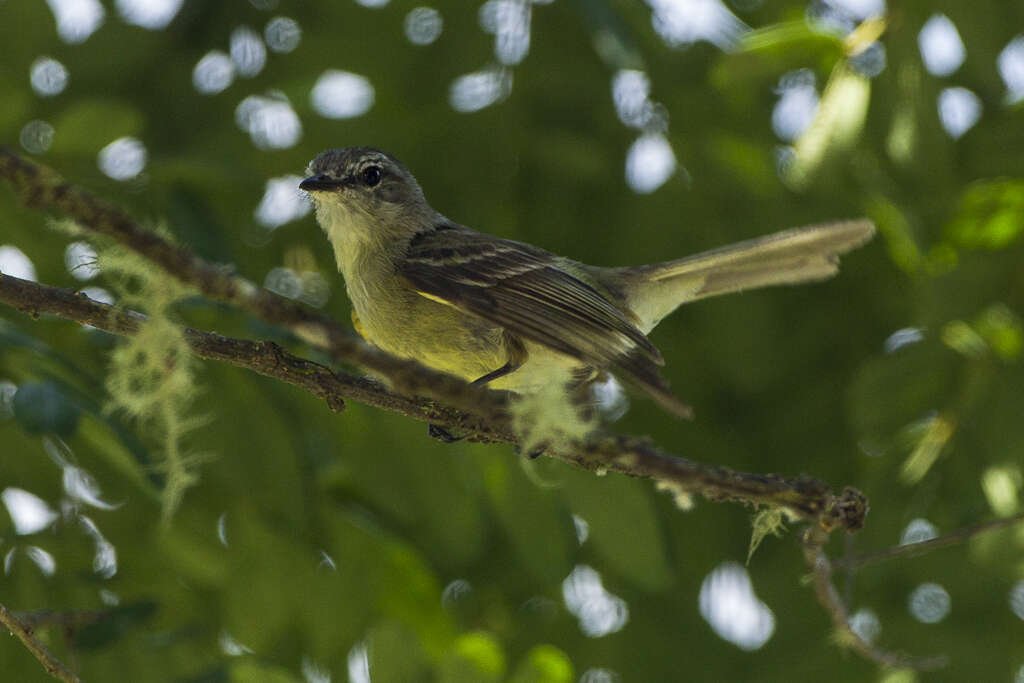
(264, 357)
(26, 635)
(806, 498)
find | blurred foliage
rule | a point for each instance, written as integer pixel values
(315, 544)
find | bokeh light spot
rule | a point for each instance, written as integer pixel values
(247, 51)
(29, 513)
(631, 91)
(475, 91)
(123, 159)
(358, 664)
(213, 73)
(683, 22)
(42, 559)
(76, 19)
(36, 136)
(797, 105)
(270, 121)
(15, 263)
(865, 624)
(727, 602)
(282, 202)
(98, 294)
(282, 34)
(509, 22)
(599, 612)
(941, 48)
(1011, 69)
(959, 110)
(903, 337)
(151, 14)
(649, 163)
(1017, 599)
(342, 95)
(918, 531)
(454, 592)
(423, 25)
(80, 260)
(48, 76)
(929, 603)
(859, 9)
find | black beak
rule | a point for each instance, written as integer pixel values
(320, 183)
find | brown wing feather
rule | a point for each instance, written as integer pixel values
(524, 289)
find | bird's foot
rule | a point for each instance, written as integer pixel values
(441, 434)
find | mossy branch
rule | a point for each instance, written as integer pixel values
(804, 497)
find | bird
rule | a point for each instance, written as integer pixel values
(512, 315)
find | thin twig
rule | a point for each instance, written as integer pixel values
(828, 597)
(66, 620)
(26, 635)
(952, 538)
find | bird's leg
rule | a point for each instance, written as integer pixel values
(440, 433)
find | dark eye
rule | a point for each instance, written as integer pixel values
(371, 175)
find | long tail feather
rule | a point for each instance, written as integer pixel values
(787, 257)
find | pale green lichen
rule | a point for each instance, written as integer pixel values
(768, 521)
(151, 377)
(682, 498)
(548, 419)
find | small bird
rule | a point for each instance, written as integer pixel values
(515, 316)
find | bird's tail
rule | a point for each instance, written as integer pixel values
(787, 257)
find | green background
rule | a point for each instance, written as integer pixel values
(346, 533)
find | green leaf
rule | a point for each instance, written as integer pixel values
(991, 215)
(1002, 330)
(544, 664)
(475, 658)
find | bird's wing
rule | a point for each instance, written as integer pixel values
(524, 290)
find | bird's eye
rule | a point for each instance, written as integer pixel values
(372, 175)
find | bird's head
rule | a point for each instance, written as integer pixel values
(361, 193)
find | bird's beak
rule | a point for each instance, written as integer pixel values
(320, 183)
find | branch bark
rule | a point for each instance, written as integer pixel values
(26, 635)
